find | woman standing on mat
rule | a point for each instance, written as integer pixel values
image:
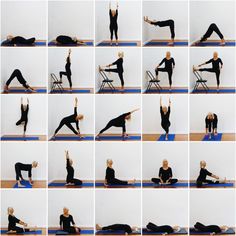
(70, 180)
(65, 222)
(202, 178)
(162, 228)
(113, 14)
(118, 122)
(165, 175)
(110, 176)
(210, 228)
(18, 75)
(165, 118)
(74, 118)
(119, 68)
(117, 227)
(169, 66)
(166, 23)
(12, 221)
(67, 71)
(13, 41)
(211, 122)
(217, 65)
(67, 40)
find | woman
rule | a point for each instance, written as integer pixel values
(24, 115)
(211, 122)
(118, 122)
(110, 176)
(67, 40)
(162, 229)
(67, 71)
(18, 75)
(118, 227)
(13, 41)
(210, 228)
(113, 14)
(165, 175)
(165, 117)
(169, 66)
(70, 180)
(74, 118)
(119, 68)
(12, 221)
(65, 222)
(217, 65)
(166, 23)
(202, 178)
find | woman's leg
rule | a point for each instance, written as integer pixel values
(111, 33)
(116, 32)
(18, 75)
(69, 125)
(170, 78)
(199, 183)
(173, 181)
(156, 180)
(218, 79)
(164, 228)
(118, 182)
(60, 126)
(18, 173)
(112, 70)
(209, 228)
(161, 70)
(121, 79)
(212, 28)
(19, 122)
(108, 126)
(76, 182)
(214, 125)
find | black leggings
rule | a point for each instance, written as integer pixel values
(201, 182)
(160, 229)
(18, 75)
(76, 182)
(120, 74)
(117, 182)
(65, 122)
(212, 126)
(217, 72)
(166, 127)
(71, 230)
(109, 125)
(212, 28)
(165, 23)
(20, 230)
(115, 227)
(170, 72)
(157, 181)
(65, 40)
(18, 173)
(209, 228)
(114, 29)
(19, 122)
(61, 73)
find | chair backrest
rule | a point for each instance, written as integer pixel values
(54, 78)
(103, 74)
(150, 75)
(197, 75)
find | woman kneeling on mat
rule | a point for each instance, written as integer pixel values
(169, 66)
(110, 176)
(67, 40)
(169, 23)
(211, 122)
(118, 227)
(210, 228)
(70, 180)
(75, 118)
(202, 178)
(118, 122)
(165, 117)
(119, 68)
(13, 41)
(113, 14)
(162, 228)
(217, 65)
(65, 222)
(13, 221)
(165, 175)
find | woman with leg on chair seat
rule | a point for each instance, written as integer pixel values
(67, 40)
(167, 23)
(211, 122)
(169, 66)
(113, 14)
(165, 117)
(210, 228)
(162, 228)
(165, 175)
(13, 41)
(118, 227)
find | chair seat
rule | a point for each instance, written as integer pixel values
(57, 82)
(107, 81)
(201, 81)
(154, 81)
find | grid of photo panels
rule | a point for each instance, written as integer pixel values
(118, 117)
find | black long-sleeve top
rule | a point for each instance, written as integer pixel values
(165, 117)
(12, 221)
(119, 64)
(66, 222)
(24, 167)
(70, 171)
(165, 174)
(72, 118)
(208, 122)
(67, 66)
(110, 174)
(169, 64)
(215, 63)
(203, 174)
(113, 19)
(120, 121)
(24, 112)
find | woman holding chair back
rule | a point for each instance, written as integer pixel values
(165, 117)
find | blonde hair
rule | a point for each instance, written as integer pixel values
(120, 54)
(10, 210)
(108, 161)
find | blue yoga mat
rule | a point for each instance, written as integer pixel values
(125, 44)
(72, 138)
(73, 91)
(147, 232)
(113, 137)
(167, 91)
(218, 137)
(25, 183)
(59, 184)
(37, 43)
(10, 138)
(171, 137)
(215, 91)
(159, 43)
(193, 231)
(3, 231)
(60, 232)
(214, 185)
(26, 91)
(167, 185)
(118, 186)
(215, 44)
(53, 43)
(114, 232)
(120, 91)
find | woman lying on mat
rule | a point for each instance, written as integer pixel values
(166, 23)
(217, 65)
(110, 176)
(113, 14)
(67, 40)
(74, 118)
(165, 175)
(67, 223)
(211, 122)
(13, 41)
(118, 122)
(162, 228)
(165, 117)
(202, 178)
(118, 227)
(13, 221)
(70, 180)
(210, 228)
(18, 75)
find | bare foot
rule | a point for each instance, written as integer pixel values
(132, 181)
(171, 43)
(166, 137)
(20, 185)
(222, 43)
(98, 227)
(6, 88)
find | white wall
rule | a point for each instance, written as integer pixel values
(165, 10)
(24, 18)
(80, 204)
(222, 167)
(85, 107)
(153, 56)
(215, 207)
(124, 204)
(82, 66)
(160, 207)
(72, 18)
(118, 105)
(32, 65)
(24, 153)
(175, 153)
(132, 65)
(201, 55)
(129, 20)
(126, 160)
(178, 116)
(82, 155)
(30, 206)
(203, 13)
(222, 106)
(11, 113)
